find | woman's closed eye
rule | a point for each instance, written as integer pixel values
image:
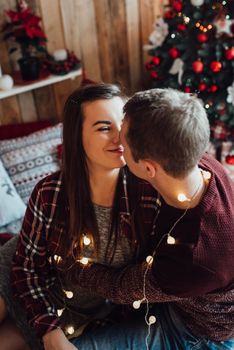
(104, 128)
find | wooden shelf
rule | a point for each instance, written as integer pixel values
(52, 79)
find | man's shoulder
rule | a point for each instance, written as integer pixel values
(209, 163)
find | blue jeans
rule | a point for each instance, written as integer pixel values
(168, 333)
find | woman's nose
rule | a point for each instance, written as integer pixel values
(116, 137)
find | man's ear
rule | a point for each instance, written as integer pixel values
(150, 167)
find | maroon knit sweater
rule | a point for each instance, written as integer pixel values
(196, 274)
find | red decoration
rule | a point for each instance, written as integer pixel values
(149, 65)
(181, 27)
(219, 131)
(202, 38)
(187, 89)
(230, 159)
(177, 5)
(24, 28)
(197, 66)
(62, 67)
(44, 73)
(202, 87)
(168, 15)
(213, 88)
(216, 66)
(174, 52)
(154, 74)
(229, 54)
(156, 60)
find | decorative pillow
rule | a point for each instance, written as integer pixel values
(30, 158)
(11, 205)
(12, 227)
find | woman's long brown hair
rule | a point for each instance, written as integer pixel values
(76, 208)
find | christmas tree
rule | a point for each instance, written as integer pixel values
(193, 50)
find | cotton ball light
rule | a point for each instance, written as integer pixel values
(197, 2)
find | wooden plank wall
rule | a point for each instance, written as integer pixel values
(107, 35)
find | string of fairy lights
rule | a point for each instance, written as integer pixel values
(87, 241)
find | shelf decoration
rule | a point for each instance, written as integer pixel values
(24, 30)
(56, 63)
(6, 81)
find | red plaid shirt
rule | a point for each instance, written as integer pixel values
(32, 275)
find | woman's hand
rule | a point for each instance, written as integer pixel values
(56, 340)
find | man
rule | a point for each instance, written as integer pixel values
(189, 274)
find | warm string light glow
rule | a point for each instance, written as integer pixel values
(60, 312)
(70, 330)
(69, 294)
(86, 240)
(203, 28)
(170, 240)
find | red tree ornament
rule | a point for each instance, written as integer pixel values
(177, 5)
(213, 88)
(216, 66)
(156, 60)
(230, 159)
(202, 38)
(181, 27)
(154, 74)
(202, 87)
(229, 54)
(198, 66)
(187, 89)
(174, 52)
(168, 15)
(149, 65)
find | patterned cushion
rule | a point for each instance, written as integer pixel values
(11, 205)
(12, 227)
(30, 158)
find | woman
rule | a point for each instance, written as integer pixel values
(93, 210)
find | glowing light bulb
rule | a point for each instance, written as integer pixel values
(59, 312)
(170, 240)
(70, 330)
(197, 24)
(86, 240)
(207, 106)
(181, 197)
(136, 304)
(57, 258)
(186, 19)
(84, 261)
(149, 259)
(206, 175)
(152, 319)
(69, 294)
(173, 36)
